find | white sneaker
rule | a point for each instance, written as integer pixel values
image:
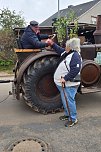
(71, 123)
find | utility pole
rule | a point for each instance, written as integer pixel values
(58, 9)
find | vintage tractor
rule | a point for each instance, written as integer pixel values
(34, 78)
(33, 73)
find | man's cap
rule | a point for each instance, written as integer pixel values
(34, 23)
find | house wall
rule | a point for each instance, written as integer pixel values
(94, 11)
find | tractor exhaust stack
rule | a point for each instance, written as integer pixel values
(97, 33)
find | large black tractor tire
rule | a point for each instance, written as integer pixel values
(38, 87)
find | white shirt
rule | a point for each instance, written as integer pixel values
(61, 71)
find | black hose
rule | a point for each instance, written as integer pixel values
(6, 81)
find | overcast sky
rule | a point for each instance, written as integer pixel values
(38, 10)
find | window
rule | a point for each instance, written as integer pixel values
(93, 19)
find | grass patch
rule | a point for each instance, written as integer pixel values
(8, 69)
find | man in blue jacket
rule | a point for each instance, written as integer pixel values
(31, 38)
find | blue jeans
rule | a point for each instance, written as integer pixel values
(70, 94)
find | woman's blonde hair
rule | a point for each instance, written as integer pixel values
(74, 44)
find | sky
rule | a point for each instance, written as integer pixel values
(38, 10)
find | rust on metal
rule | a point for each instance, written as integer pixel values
(46, 87)
(90, 73)
(89, 52)
(97, 33)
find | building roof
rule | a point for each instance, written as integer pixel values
(78, 9)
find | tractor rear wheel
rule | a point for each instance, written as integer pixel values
(38, 87)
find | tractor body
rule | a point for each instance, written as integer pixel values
(34, 70)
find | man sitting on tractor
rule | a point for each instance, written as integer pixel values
(31, 38)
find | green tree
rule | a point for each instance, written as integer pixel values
(8, 21)
(61, 27)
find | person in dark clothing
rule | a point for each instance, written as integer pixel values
(31, 38)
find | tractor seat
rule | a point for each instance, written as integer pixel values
(19, 43)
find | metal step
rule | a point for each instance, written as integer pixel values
(90, 89)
